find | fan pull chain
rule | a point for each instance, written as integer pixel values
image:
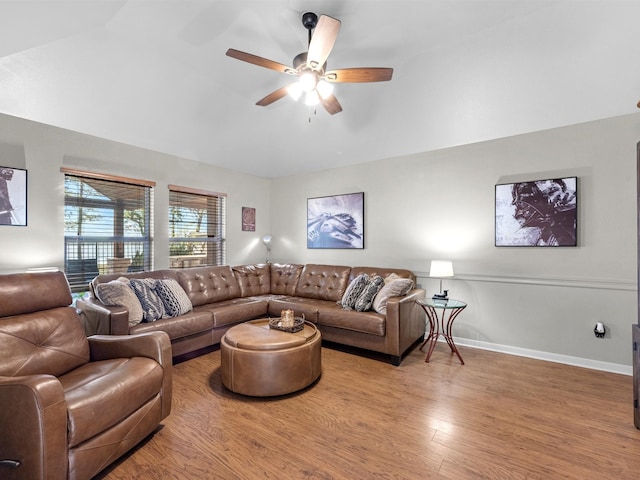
(315, 112)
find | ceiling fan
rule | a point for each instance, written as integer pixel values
(314, 81)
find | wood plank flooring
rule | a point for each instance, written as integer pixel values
(497, 417)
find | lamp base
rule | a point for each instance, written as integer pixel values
(441, 296)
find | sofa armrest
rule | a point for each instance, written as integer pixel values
(33, 422)
(115, 318)
(410, 297)
(155, 345)
(405, 321)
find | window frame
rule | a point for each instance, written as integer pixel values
(81, 269)
(214, 243)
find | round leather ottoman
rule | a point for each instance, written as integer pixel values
(263, 362)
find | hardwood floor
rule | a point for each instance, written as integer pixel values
(497, 417)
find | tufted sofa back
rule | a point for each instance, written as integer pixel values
(209, 284)
(107, 277)
(39, 332)
(253, 279)
(383, 272)
(284, 278)
(324, 282)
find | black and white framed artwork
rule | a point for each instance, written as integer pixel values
(13, 196)
(540, 213)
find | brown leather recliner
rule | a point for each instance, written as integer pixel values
(71, 405)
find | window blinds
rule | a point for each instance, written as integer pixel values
(108, 227)
(197, 222)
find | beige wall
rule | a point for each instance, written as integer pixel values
(43, 150)
(540, 302)
(435, 205)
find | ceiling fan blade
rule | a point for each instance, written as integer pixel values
(273, 96)
(359, 75)
(322, 41)
(260, 61)
(331, 104)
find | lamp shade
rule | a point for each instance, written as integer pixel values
(267, 240)
(441, 268)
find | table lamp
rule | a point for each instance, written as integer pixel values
(441, 269)
(267, 243)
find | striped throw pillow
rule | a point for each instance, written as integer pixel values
(365, 299)
(152, 306)
(353, 291)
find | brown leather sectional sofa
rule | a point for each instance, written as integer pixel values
(224, 296)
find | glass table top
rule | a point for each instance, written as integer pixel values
(438, 303)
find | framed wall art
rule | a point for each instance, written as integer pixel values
(336, 221)
(13, 196)
(540, 213)
(248, 219)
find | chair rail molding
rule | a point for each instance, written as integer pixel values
(595, 283)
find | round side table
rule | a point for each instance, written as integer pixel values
(437, 326)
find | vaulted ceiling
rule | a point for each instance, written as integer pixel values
(154, 74)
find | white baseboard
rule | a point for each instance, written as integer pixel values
(550, 357)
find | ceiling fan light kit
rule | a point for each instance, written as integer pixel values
(310, 67)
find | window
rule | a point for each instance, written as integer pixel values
(107, 226)
(197, 222)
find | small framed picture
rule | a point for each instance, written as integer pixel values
(336, 221)
(13, 196)
(248, 219)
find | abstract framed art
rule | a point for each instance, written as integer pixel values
(540, 213)
(13, 196)
(336, 221)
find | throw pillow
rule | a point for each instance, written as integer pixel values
(391, 277)
(395, 288)
(174, 298)
(119, 292)
(152, 306)
(353, 291)
(365, 299)
(394, 276)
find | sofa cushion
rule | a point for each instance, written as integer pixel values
(355, 288)
(209, 284)
(152, 306)
(364, 301)
(236, 310)
(370, 322)
(174, 298)
(101, 394)
(51, 341)
(284, 278)
(323, 282)
(120, 292)
(306, 307)
(392, 288)
(253, 279)
(190, 323)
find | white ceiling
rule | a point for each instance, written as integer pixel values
(154, 74)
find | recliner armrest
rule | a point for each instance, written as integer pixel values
(33, 422)
(155, 345)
